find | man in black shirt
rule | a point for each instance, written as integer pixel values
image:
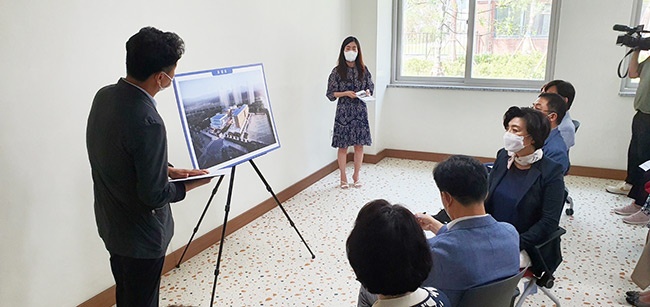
(127, 148)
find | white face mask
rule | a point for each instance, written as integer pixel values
(170, 82)
(350, 55)
(512, 142)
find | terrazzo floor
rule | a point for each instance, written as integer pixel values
(266, 264)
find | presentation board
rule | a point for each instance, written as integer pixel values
(226, 115)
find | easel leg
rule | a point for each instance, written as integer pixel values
(223, 233)
(277, 201)
(196, 228)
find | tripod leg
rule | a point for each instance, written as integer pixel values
(223, 233)
(196, 228)
(268, 188)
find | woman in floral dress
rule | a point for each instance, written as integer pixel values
(351, 126)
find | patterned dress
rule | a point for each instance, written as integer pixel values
(351, 121)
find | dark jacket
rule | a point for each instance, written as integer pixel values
(127, 148)
(539, 204)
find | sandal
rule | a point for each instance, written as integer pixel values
(357, 184)
(344, 185)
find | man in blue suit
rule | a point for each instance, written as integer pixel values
(554, 108)
(473, 249)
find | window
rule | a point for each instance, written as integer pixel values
(640, 15)
(482, 43)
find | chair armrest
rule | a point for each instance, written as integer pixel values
(556, 234)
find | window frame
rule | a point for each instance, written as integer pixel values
(467, 81)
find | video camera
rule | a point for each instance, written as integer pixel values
(632, 38)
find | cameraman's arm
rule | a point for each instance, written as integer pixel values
(633, 69)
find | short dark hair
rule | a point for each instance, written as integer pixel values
(463, 177)
(342, 66)
(537, 124)
(387, 249)
(555, 103)
(150, 51)
(564, 88)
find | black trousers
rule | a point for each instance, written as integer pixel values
(137, 281)
(639, 150)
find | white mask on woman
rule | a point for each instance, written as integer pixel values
(512, 142)
(350, 55)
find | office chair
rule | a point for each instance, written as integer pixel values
(568, 200)
(497, 294)
(542, 270)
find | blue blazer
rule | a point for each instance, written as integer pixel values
(555, 148)
(539, 202)
(472, 253)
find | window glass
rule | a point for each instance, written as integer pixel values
(473, 41)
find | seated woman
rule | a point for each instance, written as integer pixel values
(390, 256)
(526, 189)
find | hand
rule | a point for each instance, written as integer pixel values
(175, 173)
(350, 94)
(427, 222)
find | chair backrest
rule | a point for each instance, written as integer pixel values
(497, 294)
(576, 124)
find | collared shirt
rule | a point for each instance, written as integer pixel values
(155, 103)
(567, 130)
(452, 223)
(422, 297)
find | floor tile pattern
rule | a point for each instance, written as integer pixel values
(266, 264)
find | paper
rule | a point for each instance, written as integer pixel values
(363, 95)
(645, 166)
(216, 173)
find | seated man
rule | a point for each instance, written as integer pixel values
(473, 249)
(568, 93)
(390, 256)
(553, 106)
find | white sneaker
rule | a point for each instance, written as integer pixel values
(622, 188)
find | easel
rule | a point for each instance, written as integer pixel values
(225, 220)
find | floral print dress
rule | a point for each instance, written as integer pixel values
(351, 121)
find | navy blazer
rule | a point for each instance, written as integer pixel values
(539, 204)
(555, 148)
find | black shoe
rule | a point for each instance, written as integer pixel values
(632, 297)
(632, 293)
(634, 301)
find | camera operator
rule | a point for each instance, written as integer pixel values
(639, 150)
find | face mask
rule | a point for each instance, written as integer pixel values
(350, 56)
(512, 142)
(170, 82)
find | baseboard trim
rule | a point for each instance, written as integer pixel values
(575, 170)
(107, 297)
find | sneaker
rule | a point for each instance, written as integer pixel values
(638, 218)
(622, 188)
(630, 209)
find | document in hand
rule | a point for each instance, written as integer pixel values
(363, 95)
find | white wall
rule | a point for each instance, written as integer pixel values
(57, 54)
